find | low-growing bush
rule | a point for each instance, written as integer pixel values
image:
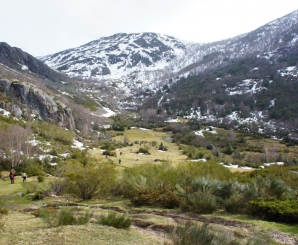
(39, 195)
(192, 233)
(58, 186)
(31, 187)
(92, 179)
(63, 217)
(273, 209)
(116, 220)
(40, 178)
(109, 153)
(164, 197)
(143, 151)
(3, 211)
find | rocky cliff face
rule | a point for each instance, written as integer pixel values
(27, 99)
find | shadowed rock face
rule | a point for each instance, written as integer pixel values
(18, 59)
(27, 96)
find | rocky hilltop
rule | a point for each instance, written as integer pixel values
(117, 55)
(20, 60)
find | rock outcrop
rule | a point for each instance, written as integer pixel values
(28, 99)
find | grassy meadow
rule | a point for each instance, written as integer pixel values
(129, 156)
(24, 224)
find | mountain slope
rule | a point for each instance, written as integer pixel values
(282, 32)
(30, 90)
(20, 60)
(117, 55)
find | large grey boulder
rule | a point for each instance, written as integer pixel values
(40, 103)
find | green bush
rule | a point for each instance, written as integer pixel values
(164, 197)
(3, 211)
(119, 221)
(146, 177)
(31, 187)
(40, 178)
(143, 151)
(273, 209)
(204, 195)
(109, 153)
(91, 180)
(39, 195)
(191, 234)
(65, 216)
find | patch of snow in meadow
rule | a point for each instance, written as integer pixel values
(78, 144)
(34, 142)
(198, 160)
(64, 154)
(5, 113)
(173, 120)
(201, 132)
(267, 164)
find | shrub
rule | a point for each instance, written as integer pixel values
(3, 211)
(147, 177)
(58, 186)
(143, 151)
(40, 178)
(271, 208)
(119, 221)
(90, 180)
(39, 195)
(191, 233)
(65, 216)
(164, 197)
(109, 153)
(162, 147)
(31, 187)
(204, 195)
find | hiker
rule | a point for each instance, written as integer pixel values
(119, 161)
(11, 176)
(24, 176)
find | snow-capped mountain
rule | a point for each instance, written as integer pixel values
(117, 55)
(264, 41)
(135, 67)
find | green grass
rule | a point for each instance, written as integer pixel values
(129, 157)
(16, 193)
(287, 228)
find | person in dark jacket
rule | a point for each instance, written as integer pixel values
(11, 176)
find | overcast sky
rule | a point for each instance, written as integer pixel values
(46, 27)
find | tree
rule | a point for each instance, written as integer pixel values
(14, 141)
